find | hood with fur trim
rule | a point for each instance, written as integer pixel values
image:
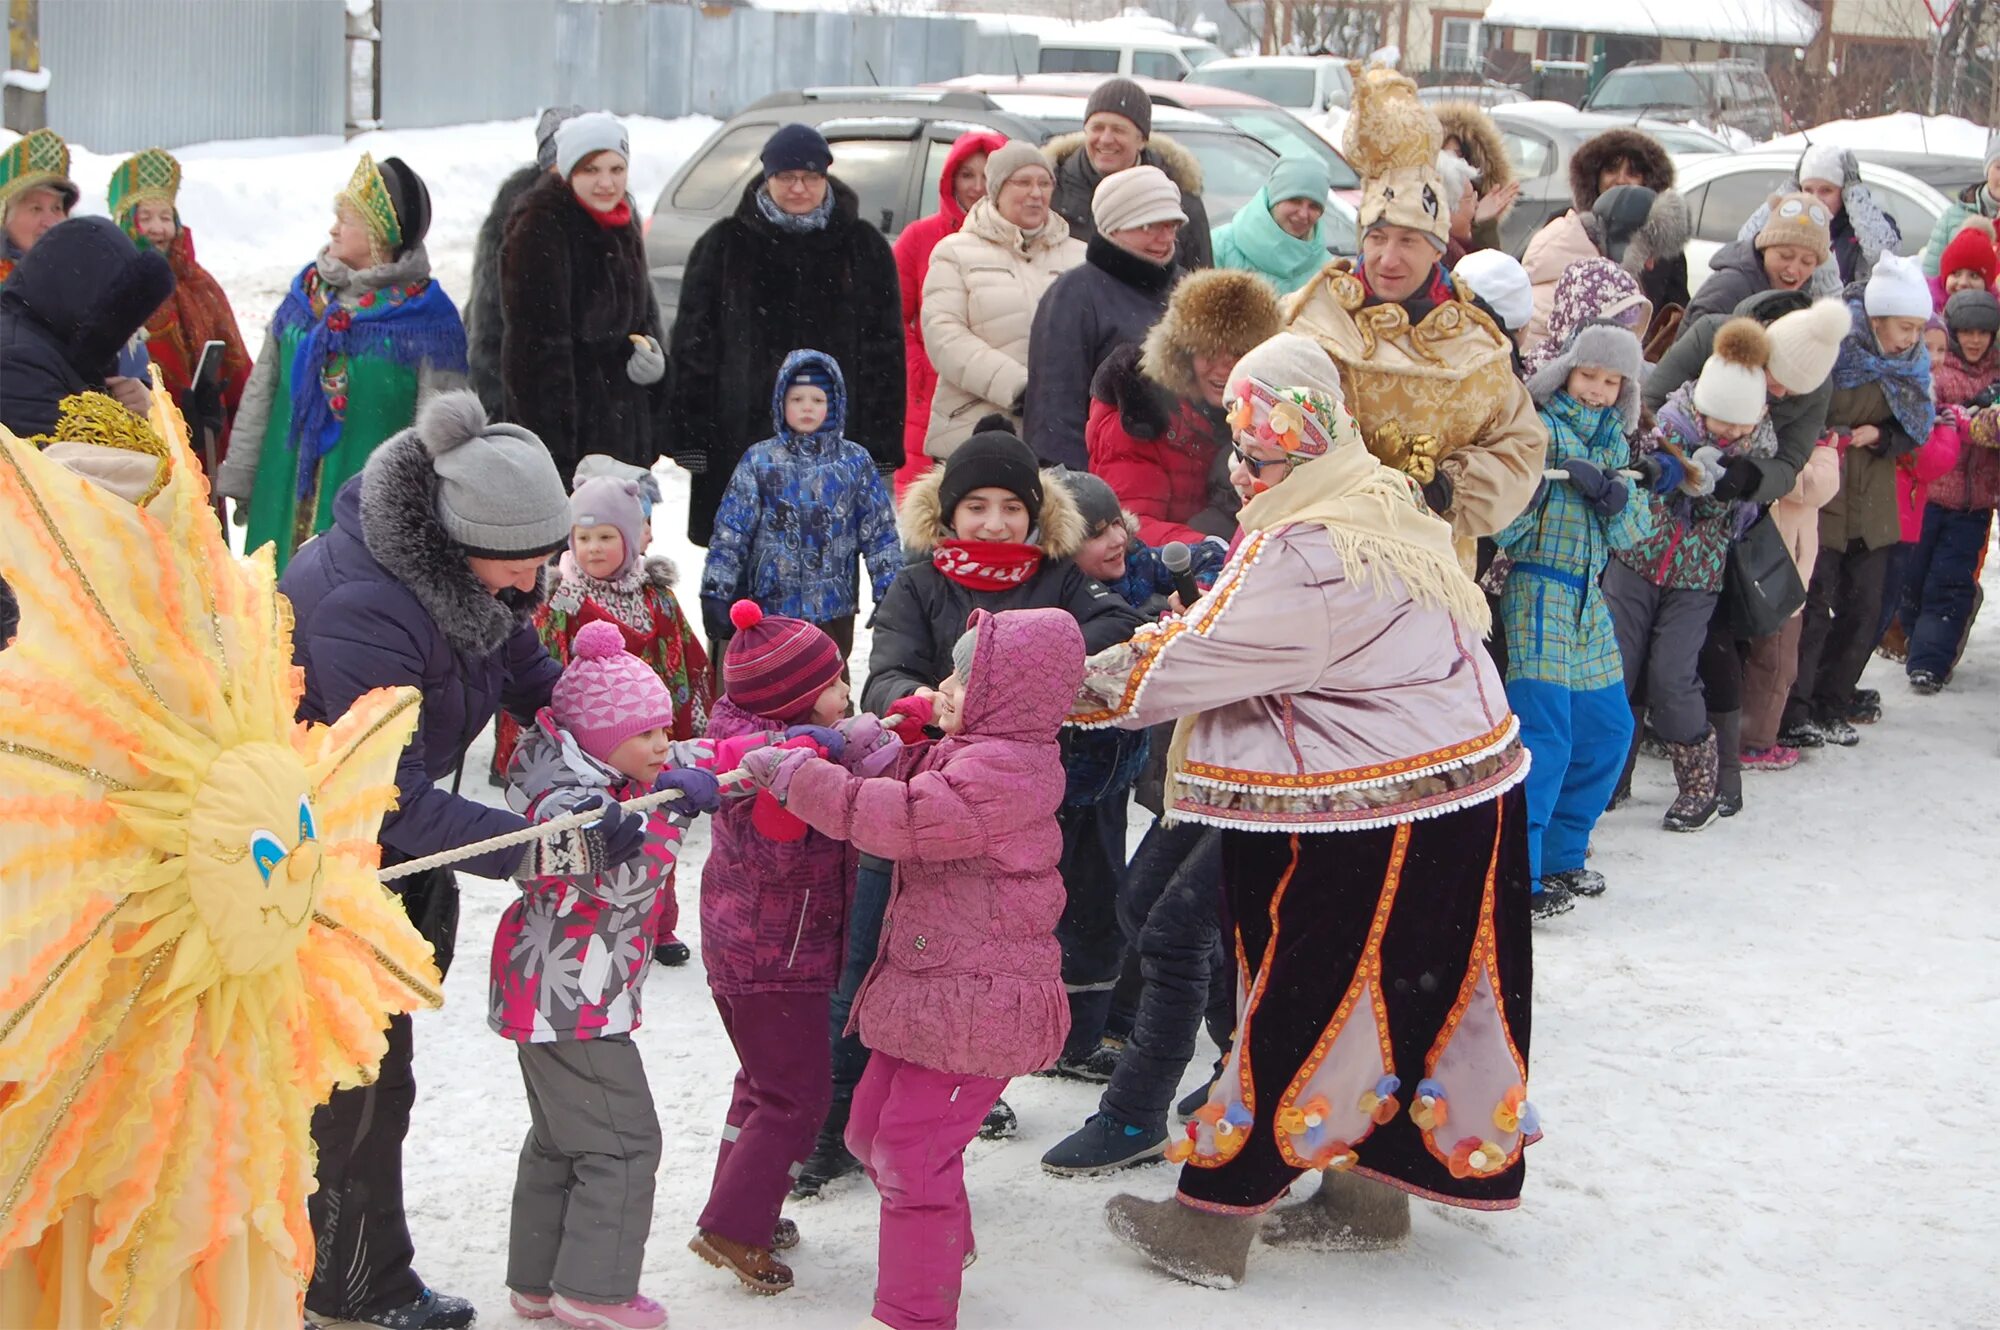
(1663, 235)
(1479, 143)
(1641, 148)
(920, 519)
(1182, 167)
(1213, 311)
(401, 530)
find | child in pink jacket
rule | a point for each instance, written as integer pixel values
(967, 988)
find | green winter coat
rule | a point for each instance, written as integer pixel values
(1973, 201)
(1254, 242)
(1865, 507)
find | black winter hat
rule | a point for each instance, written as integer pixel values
(796, 148)
(1623, 209)
(409, 198)
(991, 458)
(1094, 500)
(1122, 97)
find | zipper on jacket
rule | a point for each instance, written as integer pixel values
(804, 906)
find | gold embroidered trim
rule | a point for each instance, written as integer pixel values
(20, 1013)
(1376, 773)
(408, 980)
(9, 748)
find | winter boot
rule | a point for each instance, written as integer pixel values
(1838, 730)
(637, 1312)
(432, 1311)
(785, 1235)
(1865, 710)
(1577, 881)
(1623, 793)
(757, 1269)
(1728, 727)
(1801, 734)
(671, 951)
(1000, 1123)
(1925, 684)
(1695, 773)
(830, 1160)
(1196, 1245)
(1775, 758)
(1095, 1067)
(1550, 899)
(1347, 1213)
(1104, 1145)
(530, 1306)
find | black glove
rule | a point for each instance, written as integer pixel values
(1738, 478)
(616, 838)
(715, 624)
(1660, 473)
(694, 463)
(1437, 494)
(1143, 410)
(1606, 494)
(1985, 397)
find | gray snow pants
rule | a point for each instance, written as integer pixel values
(583, 1194)
(1660, 633)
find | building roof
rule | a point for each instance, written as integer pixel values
(1746, 22)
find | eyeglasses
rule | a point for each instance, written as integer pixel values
(797, 179)
(1255, 465)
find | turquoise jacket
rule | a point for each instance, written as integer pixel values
(1253, 241)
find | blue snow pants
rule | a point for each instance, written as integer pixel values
(1578, 742)
(1939, 584)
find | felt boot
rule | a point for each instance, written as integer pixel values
(1695, 771)
(1198, 1246)
(1347, 1213)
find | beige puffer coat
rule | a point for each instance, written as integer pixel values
(979, 302)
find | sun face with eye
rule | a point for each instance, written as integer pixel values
(253, 887)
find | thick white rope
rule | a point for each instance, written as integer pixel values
(542, 830)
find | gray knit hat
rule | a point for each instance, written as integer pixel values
(1094, 500)
(1012, 156)
(545, 132)
(498, 492)
(1597, 345)
(1122, 97)
(961, 653)
(593, 131)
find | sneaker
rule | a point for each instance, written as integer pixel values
(432, 1311)
(1802, 735)
(530, 1306)
(638, 1312)
(1095, 1067)
(754, 1267)
(1577, 882)
(785, 1236)
(1864, 711)
(1000, 1123)
(1925, 683)
(830, 1161)
(1775, 758)
(671, 951)
(1553, 899)
(1836, 731)
(1104, 1145)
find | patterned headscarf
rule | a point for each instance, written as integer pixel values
(1594, 290)
(1285, 392)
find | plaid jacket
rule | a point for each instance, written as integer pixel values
(1558, 626)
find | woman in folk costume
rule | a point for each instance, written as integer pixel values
(194, 949)
(361, 338)
(1427, 374)
(1342, 725)
(144, 190)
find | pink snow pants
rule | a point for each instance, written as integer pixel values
(909, 1129)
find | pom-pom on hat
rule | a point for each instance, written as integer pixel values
(1897, 290)
(1732, 388)
(498, 492)
(606, 694)
(1806, 342)
(776, 667)
(1972, 248)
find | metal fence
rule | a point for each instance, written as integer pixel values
(127, 75)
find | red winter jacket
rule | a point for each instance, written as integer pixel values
(1162, 479)
(913, 260)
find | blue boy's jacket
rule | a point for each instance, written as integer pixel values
(799, 511)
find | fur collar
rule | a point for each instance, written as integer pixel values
(920, 520)
(400, 527)
(1127, 268)
(412, 268)
(573, 586)
(1182, 167)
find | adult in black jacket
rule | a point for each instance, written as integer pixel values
(484, 318)
(765, 281)
(584, 369)
(72, 303)
(1117, 135)
(1112, 298)
(1782, 256)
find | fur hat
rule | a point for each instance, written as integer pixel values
(1393, 140)
(1642, 150)
(1972, 247)
(498, 493)
(1607, 346)
(1897, 290)
(777, 667)
(1138, 196)
(1731, 387)
(606, 694)
(1122, 97)
(1479, 142)
(1800, 220)
(1497, 277)
(609, 502)
(1806, 342)
(1459, 175)
(1013, 156)
(1213, 311)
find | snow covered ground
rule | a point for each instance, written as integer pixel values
(1905, 131)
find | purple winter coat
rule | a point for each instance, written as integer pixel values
(385, 597)
(773, 913)
(969, 976)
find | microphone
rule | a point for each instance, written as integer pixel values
(1174, 554)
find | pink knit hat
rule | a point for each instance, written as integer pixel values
(775, 666)
(606, 694)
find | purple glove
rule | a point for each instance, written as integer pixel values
(825, 736)
(700, 791)
(860, 736)
(772, 768)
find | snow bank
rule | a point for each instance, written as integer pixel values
(260, 208)
(1905, 131)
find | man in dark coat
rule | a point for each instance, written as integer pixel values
(427, 579)
(66, 312)
(485, 321)
(1112, 298)
(794, 266)
(1118, 135)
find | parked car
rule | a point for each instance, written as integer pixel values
(1540, 136)
(1486, 93)
(1736, 93)
(1302, 84)
(1722, 192)
(889, 146)
(1122, 50)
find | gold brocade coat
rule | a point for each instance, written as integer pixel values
(1439, 397)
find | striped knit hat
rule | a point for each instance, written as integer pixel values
(776, 667)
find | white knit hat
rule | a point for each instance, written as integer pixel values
(1136, 197)
(1806, 342)
(1897, 290)
(1498, 278)
(1824, 161)
(593, 131)
(1732, 388)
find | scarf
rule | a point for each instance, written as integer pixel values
(1905, 379)
(1376, 518)
(796, 223)
(617, 219)
(396, 314)
(986, 565)
(1960, 380)
(195, 314)
(623, 597)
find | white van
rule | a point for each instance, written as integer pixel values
(1305, 85)
(1135, 53)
